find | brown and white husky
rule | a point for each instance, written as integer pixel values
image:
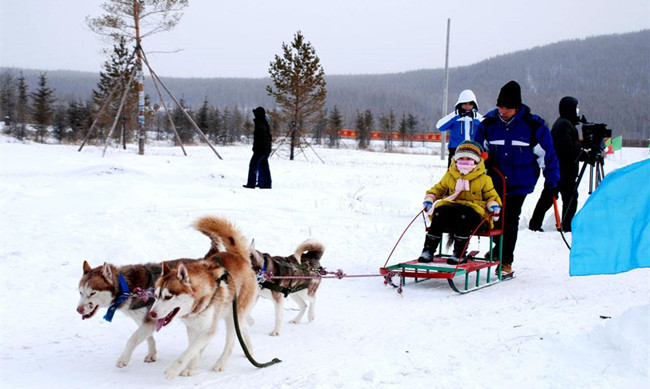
(111, 286)
(305, 261)
(202, 292)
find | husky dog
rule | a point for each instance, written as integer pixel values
(202, 292)
(304, 262)
(104, 286)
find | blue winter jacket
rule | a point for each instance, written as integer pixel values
(461, 128)
(519, 148)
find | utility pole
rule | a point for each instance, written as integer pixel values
(140, 77)
(443, 134)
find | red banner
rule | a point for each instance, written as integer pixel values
(380, 135)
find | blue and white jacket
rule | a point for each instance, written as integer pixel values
(461, 128)
(519, 149)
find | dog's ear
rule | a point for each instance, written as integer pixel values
(183, 275)
(87, 267)
(165, 269)
(107, 272)
(251, 247)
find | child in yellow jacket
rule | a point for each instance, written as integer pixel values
(466, 195)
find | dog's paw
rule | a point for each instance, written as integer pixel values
(274, 333)
(150, 358)
(171, 373)
(219, 366)
(188, 372)
(122, 362)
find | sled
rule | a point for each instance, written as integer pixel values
(476, 273)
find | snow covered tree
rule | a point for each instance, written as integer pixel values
(298, 86)
(42, 108)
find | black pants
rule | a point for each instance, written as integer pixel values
(512, 211)
(452, 151)
(569, 205)
(457, 219)
(259, 173)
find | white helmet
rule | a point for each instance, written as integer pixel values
(467, 96)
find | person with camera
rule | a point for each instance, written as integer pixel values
(519, 145)
(567, 145)
(461, 123)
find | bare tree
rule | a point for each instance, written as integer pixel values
(298, 86)
(134, 20)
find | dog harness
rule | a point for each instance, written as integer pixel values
(263, 280)
(120, 299)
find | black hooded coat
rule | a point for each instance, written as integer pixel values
(262, 135)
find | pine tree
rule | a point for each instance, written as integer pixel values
(42, 108)
(216, 124)
(22, 108)
(298, 86)
(112, 81)
(203, 118)
(388, 122)
(8, 98)
(79, 119)
(183, 126)
(334, 126)
(403, 128)
(132, 21)
(365, 123)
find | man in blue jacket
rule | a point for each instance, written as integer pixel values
(520, 145)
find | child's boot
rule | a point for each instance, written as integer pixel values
(458, 256)
(431, 243)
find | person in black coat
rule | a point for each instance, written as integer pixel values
(566, 143)
(259, 173)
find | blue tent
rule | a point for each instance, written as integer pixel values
(611, 233)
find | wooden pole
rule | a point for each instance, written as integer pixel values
(141, 128)
(187, 115)
(119, 111)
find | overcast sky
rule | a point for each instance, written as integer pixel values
(239, 38)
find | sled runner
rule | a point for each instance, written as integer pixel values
(476, 273)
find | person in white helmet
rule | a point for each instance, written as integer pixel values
(461, 123)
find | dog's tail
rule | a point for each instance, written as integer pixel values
(311, 247)
(224, 236)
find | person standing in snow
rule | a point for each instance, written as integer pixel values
(518, 144)
(461, 123)
(259, 173)
(568, 148)
(466, 196)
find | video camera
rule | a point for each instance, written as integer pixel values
(593, 135)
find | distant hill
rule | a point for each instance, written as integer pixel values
(610, 75)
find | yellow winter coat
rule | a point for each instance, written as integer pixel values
(480, 196)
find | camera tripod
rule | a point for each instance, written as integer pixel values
(595, 161)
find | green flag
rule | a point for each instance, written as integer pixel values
(617, 143)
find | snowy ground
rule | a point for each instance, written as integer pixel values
(59, 207)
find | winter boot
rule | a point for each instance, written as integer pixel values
(458, 256)
(430, 245)
(506, 269)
